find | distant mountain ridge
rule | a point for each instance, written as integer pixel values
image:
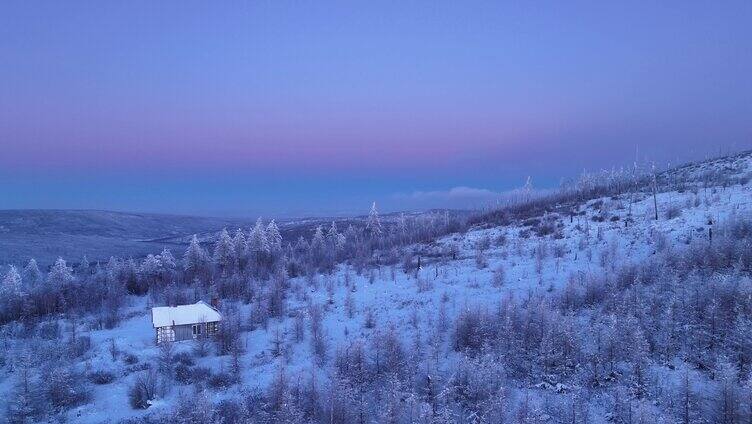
(47, 234)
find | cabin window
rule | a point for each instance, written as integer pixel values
(165, 334)
(196, 330)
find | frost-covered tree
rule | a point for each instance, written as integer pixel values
(239, 243)
(195, 260)
(150, 271)
(318, 248)
(169, 265)
(274, 238)
(84, 268)
(332, 234)
(60, 274)
(11, 282)
(31, 273)
(258, 247)
(24, 403)
(373, 225)
(224, 254)
(10, 294)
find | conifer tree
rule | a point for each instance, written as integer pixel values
(11, 282)
(195, 260)
(224, 253)
(31, 273)
(60, 274)
(274, 237)
(374, 224)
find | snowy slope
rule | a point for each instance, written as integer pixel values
(415, 304)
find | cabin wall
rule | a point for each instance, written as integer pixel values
(176, 333)
(183, 332)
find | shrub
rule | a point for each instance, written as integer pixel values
(143, 390)
(229, 411)
(672, 212)
(101, 377)
(498, 277)
(200, 374)
(221, 380)
(183, 373)
(64, 389)
(483, 243)
(130, 358)
(184, 358)
(79, 346)
(49, 330)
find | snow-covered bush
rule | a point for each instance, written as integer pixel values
(143, 390)
(101, 377)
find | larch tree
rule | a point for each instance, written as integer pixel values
(274, 237)
(373, 225)
(224, 253)
(239, 243)
(150, 271)
(84, 268)
(258, 245)
(318, 247)
(31, 273)
(195, 259)
(10, 294)
(60, 274)
(168, 265)
(11, 281)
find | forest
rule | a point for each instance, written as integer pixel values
(622, 297)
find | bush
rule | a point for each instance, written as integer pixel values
(183, 373)
(498, 277)
(79, 346)
(200, 374)
(184, 358)
(101, 377)
(49, 330)
(143, 390)
(229, 411)
(130, 359)
(64, 389)
(221, 380)
(673, 212)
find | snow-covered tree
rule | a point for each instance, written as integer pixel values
(10, 294)
(318, 247)
(195, 260)
(167, 259)
(239, 243)
(373, 225)
(24, 403)
(224, 253)
(258, 246)
(150, 271)
(60, 274)
(84, 268)
(31, 273)
(11, 282)
(274, 237)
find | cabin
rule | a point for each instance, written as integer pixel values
(185, 322)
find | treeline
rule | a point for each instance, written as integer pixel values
(627, 182)
(241, 266)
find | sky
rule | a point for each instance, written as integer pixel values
(301, 108)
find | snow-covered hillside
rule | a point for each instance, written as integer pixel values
(414, 310)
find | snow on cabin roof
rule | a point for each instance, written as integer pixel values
(163, 316)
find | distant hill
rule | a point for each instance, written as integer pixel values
(47, 234)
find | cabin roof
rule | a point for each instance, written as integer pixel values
(163, 316)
